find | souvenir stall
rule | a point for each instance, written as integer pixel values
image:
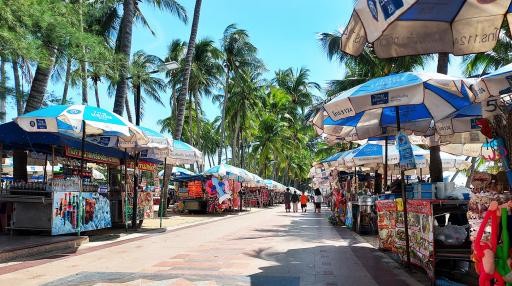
(227, 181)
(191, 192)
(149, 188)
(52, 204)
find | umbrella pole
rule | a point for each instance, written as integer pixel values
(162, 192)
(82, 155)
(404, 196)
(53, 161)
(126, 190)
(45, 173)
(385, 162)
(135, 191)
(240, 196)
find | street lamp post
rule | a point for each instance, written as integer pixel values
(168, 66)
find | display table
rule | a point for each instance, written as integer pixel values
(424, 250)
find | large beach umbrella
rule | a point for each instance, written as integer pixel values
(410, 96)
(183, 153)
(70, 120)
(230, 172)
(412, 27)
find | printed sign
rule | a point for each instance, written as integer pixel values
(407, 161)
(389, 7)
(380, 98)
(41, 124)
(144, 166)
(95, 212)
(91, 156)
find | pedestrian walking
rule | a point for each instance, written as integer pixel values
(287, 200)
(318, 200)
(303, 202)
(295, 201)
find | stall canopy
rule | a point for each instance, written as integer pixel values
(189, 178)
(13, 136)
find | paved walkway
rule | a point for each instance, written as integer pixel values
(267, 248)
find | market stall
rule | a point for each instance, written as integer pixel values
(191, 192)
(439, 233)
(52, 204)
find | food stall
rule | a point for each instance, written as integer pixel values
(52, 205)
(438, 232)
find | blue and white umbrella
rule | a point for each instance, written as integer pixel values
(68, 119)
(336, 160)
(230, 172)
(370, 109)
(495, 90)
(177, 171)
(398, 28)
(464, 120)
(428, 95)
(183, 153)
(376, 122)
(373, 154)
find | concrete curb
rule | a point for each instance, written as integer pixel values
(66, 246)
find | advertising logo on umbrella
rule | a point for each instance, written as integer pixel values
(101, 115)
(74, 111)
(372, 6)
(389, 7)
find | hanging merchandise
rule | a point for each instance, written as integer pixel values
(407, 161)
(484, 251)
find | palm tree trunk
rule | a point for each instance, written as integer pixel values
(125, 46)
(236, 132)
(66, 81)
(83, 75)
(190, 133)
(128, 111)
(198, 122)
(96, 92)
(471, 171)
(40, 82)
(436, 165)
(174, 101)
(188, 66)
(223, 115)
(17, 86)
(3, 90)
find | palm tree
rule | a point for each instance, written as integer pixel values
(3, 88)
(141, 71)
(246, 94)
(479, 64)
(186, 72)
(175, 53)
(239, 53)
(271, 141)
(298, 86)
(131, 11)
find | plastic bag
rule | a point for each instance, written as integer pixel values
(453, 235)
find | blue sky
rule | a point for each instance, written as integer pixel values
(284, 31)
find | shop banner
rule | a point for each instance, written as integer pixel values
(95, 212)
(91, 156)
(144, 205)
(407, 161)
(421, 234)
(144, 166)
(386, 221)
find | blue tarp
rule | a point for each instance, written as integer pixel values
(13, 137)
